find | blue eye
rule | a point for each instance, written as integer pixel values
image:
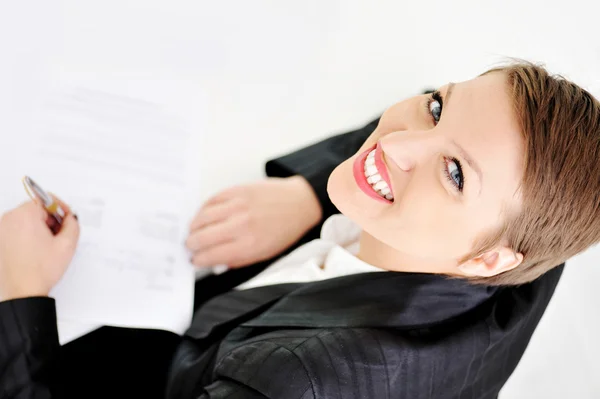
(435, 109)
(453, 172)
(435, 106)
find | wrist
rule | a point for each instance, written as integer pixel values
(14, 292)
(309, 204)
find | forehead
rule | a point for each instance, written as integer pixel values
(480, 117)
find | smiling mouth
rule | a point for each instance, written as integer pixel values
(371, 175)
(374, 178)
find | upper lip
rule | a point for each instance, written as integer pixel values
(382, 167)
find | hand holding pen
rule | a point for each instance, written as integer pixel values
(56, 213)
(37, 245)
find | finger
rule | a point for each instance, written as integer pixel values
(51, 221)
(68, 235)
(34, 208)
(62, 204)
(212, 214)
(212, 235)
(224, 195)
(228, 253)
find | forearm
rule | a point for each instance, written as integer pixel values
(29, 349)
(310, 207)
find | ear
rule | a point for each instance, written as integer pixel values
(491, 263)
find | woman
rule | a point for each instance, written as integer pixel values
(458, 207)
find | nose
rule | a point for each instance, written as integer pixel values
(407, 148)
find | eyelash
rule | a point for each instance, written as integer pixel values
(460, 186)
(436, 96)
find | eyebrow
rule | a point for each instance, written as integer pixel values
(449, 92)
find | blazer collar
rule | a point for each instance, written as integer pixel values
(384, 299)
(380, 299)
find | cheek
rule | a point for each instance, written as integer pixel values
(424, 222)
(427, 223)
(437, 227)
(428, 228)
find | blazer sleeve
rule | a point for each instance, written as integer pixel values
(316, 162)
(29, 349)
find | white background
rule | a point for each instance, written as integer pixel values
(281, 74)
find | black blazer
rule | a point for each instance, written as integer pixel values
(374, 335)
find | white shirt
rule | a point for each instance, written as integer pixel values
(332, 255)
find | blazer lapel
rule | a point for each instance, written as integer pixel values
(233, 307)
(383, 299)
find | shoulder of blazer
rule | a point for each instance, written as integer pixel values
(426, 362)
(337, 363)
(346, 363)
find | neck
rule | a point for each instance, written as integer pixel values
(378, 254)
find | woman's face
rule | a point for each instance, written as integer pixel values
(450, 163)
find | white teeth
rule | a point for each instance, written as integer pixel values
(374, 178)
(380, 185)
(370, 170)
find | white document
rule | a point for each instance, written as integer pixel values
(122, 165)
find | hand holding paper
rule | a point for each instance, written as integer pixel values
(231, 226)
(32, 257)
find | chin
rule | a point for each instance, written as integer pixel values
(362, 209)
(348, 198)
